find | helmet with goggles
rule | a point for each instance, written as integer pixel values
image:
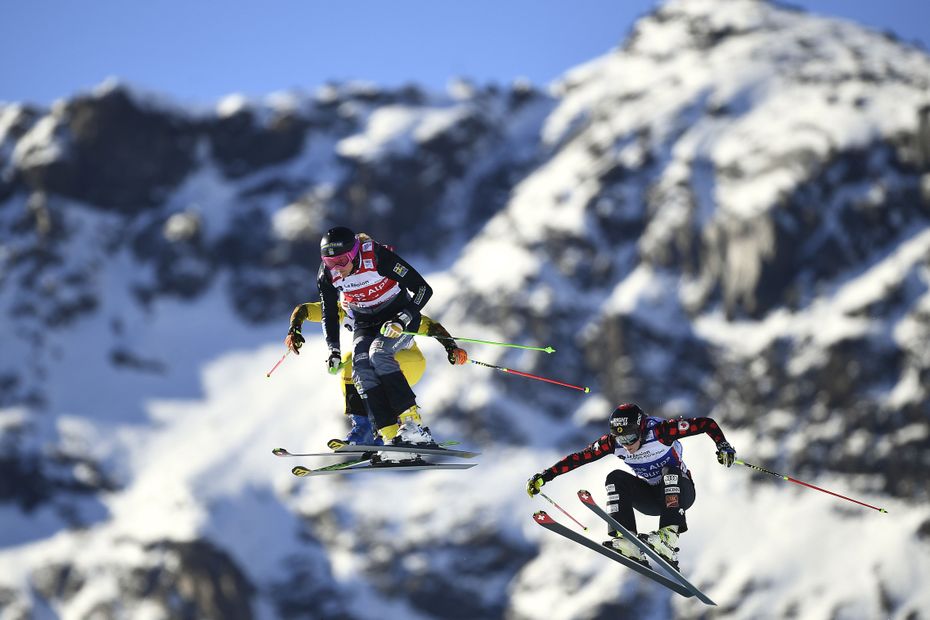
(626, 423)
(338, 247)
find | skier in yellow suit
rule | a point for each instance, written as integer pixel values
(411, 360)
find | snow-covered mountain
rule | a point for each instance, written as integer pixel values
(728, 215)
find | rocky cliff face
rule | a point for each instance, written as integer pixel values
(729, 215)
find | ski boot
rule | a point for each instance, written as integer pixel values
(410, 432)
(362, 434)
(664, 541)
(626, 548)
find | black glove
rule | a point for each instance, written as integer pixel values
(534, 484)
(334, 361)
(294, 339)
(725, 453)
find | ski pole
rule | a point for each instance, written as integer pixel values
(790, 479)
(500, 344)
(586, 390)
(548, 499)
(286, 353)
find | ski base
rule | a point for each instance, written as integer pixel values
(366, 466)
(588, 500)
(543, 519)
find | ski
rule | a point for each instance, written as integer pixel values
(543, 519)
(358, 466)
(588, 501)
(343, 465)
(282, 452)
(435, 449)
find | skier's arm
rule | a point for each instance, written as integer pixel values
(393, 266)
(294, 339)
(597, 450)
(329, 298)
(311, 311)
(670, 430)
(667, 432)
(434, 329)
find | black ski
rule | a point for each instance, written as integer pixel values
(346, 449)
(366, 465)
(588, 501)
(343, 465)
(433, 449)
(550, 524)
(283, 452)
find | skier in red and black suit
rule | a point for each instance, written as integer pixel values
(662, 483)
(385, 296)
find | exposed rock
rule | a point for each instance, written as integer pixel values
(204, 582)
(110, 152)
(242, 144)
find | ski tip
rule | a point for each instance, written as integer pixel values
(549, 350)
(587, 390)
(542, 516)
(280, 452)
(300, 471)
(585, 496)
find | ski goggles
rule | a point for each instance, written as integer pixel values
(625, 436)
(341, 260)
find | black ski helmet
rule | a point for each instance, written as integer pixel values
(626, 423)
(336, 241)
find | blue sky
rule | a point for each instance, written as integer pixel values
(199, 50)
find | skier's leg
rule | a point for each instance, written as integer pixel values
(412, 363)
(677, 495)
(623, 491)
(409, 428)
(678, 492)
(353, 399)
(369, 385)
(381, 354)
(361, 431)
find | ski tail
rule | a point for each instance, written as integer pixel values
(588, 500)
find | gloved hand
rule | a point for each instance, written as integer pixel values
(534, 484)
(294, 339)
(457, 356)
(392, 329)
(725, 453)
(395, 327)
(333, 361)
(348, 317)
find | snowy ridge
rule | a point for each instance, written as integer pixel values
(721, 217)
